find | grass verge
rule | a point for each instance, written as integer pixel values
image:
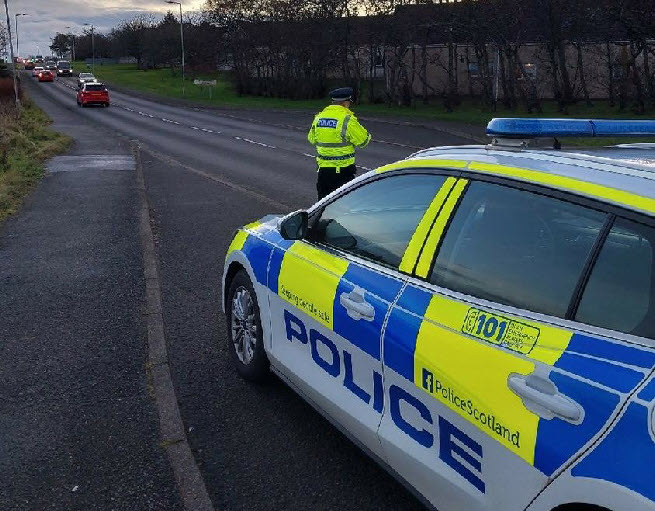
(162, 82)
(25, 144)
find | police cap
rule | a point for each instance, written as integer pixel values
(342, 94)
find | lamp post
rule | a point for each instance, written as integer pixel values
(93, 48)
(13, 64)
(72, 44)
(182, 41)
(16, 23)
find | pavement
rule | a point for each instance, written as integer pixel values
(79, 427)
(78, 406)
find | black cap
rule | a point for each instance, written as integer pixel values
(342, 94)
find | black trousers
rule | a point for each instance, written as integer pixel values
(329, 179)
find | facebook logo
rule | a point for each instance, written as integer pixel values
(427, 380)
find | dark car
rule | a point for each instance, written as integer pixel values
(64, 68)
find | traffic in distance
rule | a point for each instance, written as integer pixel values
(478, 319)
(90, 90)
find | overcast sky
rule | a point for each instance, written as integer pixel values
(46, 17)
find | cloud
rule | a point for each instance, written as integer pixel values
(47, 17)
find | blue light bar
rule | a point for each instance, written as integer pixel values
(534, 128)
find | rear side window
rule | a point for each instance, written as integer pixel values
(377, 220)
(619, 292)
(517, 248)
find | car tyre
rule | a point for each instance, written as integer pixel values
(244, 329)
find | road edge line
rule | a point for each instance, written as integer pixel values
(188, 478)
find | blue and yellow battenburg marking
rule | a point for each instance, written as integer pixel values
(444, 358)
(450, 350)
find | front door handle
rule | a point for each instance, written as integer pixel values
(356, 305)
(540, 395)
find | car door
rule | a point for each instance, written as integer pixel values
(491, 388)
(330, 295)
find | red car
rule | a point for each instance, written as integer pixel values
(93, 93)
(46, 76)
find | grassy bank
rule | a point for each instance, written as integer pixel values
(24, 146)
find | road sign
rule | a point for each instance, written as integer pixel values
(204, 82)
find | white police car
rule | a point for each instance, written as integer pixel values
(481, 320)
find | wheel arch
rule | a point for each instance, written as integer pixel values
(579, 506)
(233, 268)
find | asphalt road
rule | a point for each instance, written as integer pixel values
(207, 172)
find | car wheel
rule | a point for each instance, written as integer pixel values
(244, 329)
(106, 105)
(83, 104)
(79, 104)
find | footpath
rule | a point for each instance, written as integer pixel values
(79, 428)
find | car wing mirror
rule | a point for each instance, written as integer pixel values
(295, 225)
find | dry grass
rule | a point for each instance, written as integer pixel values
(24, 146)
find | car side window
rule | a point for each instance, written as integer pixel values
(517, 248)
(377, 220)
(619, 294)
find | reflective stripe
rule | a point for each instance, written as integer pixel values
(425, 259)
(414, 247)
(567, 183)
(455, 164)
(343, 157)
(613, 195)
(332, 144)
(344, 128)
(366, 142)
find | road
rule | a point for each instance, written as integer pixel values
(206, 173)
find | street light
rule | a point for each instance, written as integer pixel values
(182, 41)
(13, 64)
(16, 20)
(73, 43)
(93, 48)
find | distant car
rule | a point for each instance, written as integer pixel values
(46, 76)
(93, 93)
(29, 65)
(85, 77)
(64, 68)
(36, 71)
(51, 66)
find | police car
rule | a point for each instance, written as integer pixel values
(479, 319)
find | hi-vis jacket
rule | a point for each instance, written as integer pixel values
(336, 132)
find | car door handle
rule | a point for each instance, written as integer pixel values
(356, 305)
(540, 396)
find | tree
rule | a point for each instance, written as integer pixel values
(60, 44)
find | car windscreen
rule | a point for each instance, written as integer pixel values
(95, 87)
(64, 65)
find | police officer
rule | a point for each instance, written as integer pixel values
(336, 132)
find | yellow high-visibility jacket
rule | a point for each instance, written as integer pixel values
(336, 132)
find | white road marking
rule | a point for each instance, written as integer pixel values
(243, 139)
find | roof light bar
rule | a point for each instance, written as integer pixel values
(534, 128)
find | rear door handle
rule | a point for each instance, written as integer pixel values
(540, 395)
(356, 305)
